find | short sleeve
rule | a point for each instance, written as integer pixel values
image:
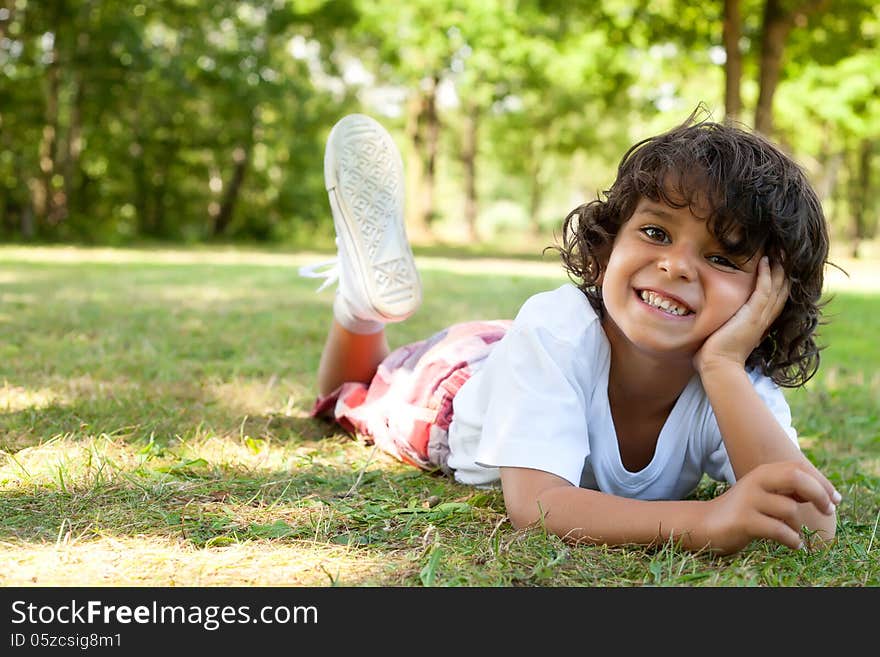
(535, 405)
(772, 395)
(717, 463)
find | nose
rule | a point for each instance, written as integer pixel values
(677, 262)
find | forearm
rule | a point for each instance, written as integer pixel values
(758, 506)
(751, 433)
(586, 515)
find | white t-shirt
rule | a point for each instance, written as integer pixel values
(541, 401)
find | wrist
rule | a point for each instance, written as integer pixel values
(700, 535)
(686, 522)
(708, 366)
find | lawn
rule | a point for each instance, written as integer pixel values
(154, 431)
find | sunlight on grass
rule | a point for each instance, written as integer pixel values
(17, 398)
(67, 461)
(99, 558)
(63, 391)
(253, 397)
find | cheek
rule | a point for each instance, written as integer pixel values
(614, 266)
(611, 281)
(729, 297)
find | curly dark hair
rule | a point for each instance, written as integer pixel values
(757, 198)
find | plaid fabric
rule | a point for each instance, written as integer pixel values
(407, 408)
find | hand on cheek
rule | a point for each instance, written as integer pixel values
(742, 333)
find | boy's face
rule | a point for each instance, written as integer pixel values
(669, 284)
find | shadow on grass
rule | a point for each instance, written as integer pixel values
(160, 423)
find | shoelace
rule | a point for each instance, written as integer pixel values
(328, 270)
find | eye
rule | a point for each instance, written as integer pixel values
(655, 234)
(722, 261)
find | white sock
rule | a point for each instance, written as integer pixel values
(342, 314)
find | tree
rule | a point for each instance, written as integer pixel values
(413, 46)
(732, 33)
(162, 119)
(779, 19)
(844, 111)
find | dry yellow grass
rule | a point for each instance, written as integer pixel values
(155, 561)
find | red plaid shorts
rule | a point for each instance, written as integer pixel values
(406, 409)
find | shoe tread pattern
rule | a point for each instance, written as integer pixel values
(370, 180)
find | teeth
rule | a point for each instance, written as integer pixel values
(663, 303)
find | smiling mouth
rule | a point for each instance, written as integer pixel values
(664, 304)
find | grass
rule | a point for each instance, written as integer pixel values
(154, 431)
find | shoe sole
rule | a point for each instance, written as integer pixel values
(363, 173)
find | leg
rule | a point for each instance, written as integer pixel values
(349, 356)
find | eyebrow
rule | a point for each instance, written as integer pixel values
(657, 211)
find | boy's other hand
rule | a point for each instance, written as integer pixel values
(767, 503)
(741, 334)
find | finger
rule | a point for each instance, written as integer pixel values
(801, 485)
(781, 507)
(777, 274)
(772, 279)
(780, 286)
(776, 530)
(814, 472)
(764, 284)
(756, 304)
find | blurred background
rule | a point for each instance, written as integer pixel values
(181, 121)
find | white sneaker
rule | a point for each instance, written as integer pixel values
(363, 173)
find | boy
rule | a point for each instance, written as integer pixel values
(601, 406)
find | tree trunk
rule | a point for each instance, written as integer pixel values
(778, 22)
(831, 161)
(424, 131)
(431, 130)
(241, 156)
(416, 227)
(73, 149)
(776, 26)
(860, 190)
(160, 191)
(469, 160)
(733, 60)
(73, 144)
(141, 186)
(48, 148)
(9, 6)
(28, 227)
(839, 195)
(18, 211)
(536, 198)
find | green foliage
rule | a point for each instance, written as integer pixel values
(155, 107)
(186, 121)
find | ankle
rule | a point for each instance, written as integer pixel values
(343, 314)
(349, 357)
